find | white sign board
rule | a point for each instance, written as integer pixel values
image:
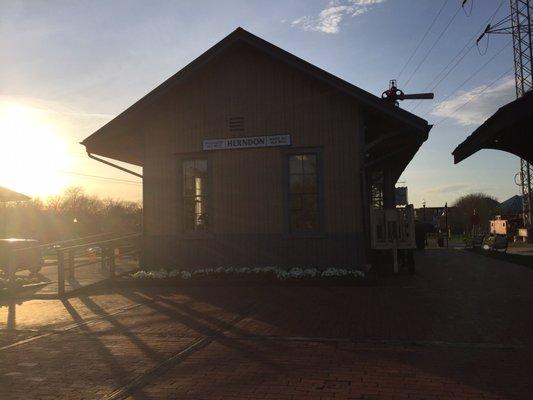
(247, 142)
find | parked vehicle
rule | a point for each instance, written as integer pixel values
(30, 259)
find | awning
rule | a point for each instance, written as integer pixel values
(510, 129)
(10, 195)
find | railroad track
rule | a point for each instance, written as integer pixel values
(145, 378)
(91, 322)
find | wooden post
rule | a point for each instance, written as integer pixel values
(69, 271)
(11, 270)
(60, 274)
(111, 256)
(103, 257)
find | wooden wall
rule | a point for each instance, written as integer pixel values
(247, 221)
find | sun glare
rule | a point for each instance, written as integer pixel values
(32, 154)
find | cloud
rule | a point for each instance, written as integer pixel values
(459, 189)
(50, 107)
(330, 18)
(448, 188)
(482, 103)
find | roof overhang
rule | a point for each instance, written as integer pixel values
(508, 129)
(390, 143)
(7, 195)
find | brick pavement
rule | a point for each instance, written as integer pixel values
(460, 329)
(255, 369)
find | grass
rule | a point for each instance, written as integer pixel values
(519, 243)
(526, 261)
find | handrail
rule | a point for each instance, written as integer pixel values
(109, 241)
(51, 245)
(85, 263)
(66, 262)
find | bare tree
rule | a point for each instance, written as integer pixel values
(71, 214)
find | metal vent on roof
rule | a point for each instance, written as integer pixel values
(236, 124)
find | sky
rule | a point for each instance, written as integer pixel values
(68, 67)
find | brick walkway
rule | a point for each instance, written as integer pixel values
(461, 328)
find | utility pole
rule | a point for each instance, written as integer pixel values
(520, 29)
(521, 11)
(446, 223)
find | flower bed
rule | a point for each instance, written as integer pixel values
(267, 274)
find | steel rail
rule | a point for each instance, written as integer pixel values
(71, 327)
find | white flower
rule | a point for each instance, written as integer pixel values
(173, 273)
(311, 272)
(280, 273)
(295, 273)
(358, 274)
(339, 272)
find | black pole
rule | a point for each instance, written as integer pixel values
(424, 222)
(446, 222)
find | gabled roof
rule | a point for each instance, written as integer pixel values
(240, 35)
(508, 129)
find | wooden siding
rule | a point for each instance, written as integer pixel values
(247, 184)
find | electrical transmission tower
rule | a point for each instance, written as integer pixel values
(521, 11)
(520, 29)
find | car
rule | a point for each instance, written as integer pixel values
(30, 258)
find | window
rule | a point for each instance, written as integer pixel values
(303, 193)
(195, 195)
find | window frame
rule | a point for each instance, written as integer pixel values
(286, 154)
(196, 233)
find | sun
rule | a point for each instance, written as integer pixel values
(32, 153)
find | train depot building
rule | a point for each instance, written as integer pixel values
(253, 157)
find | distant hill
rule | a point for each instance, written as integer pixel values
(512, 205)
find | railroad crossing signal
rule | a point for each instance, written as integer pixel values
(393, 94)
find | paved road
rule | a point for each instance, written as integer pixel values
(460, 329)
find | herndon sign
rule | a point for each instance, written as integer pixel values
(247, 142)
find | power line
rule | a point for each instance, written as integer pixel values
(423, 38)
(475, 72)
(106, 178)
(489, 22)
(457, 58)
(432, 47)
(427, 88)
(468, 13)
(475, 97)
(453, 67)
